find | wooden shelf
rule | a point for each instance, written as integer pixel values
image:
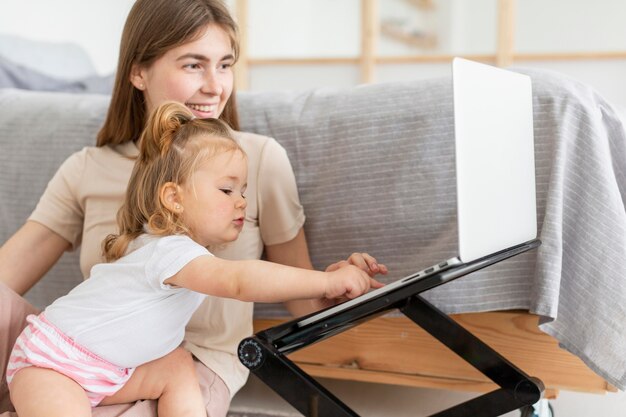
(422, 4)
(429, 59)
(368, 58)
(304, 61)
(569, 56)
(432, 59)
(424, 41)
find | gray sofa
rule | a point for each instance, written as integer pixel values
(375, 171)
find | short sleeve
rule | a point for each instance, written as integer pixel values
(59, 208)
(170, 255)
(281, 215)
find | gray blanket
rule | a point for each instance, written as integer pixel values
(375, 170)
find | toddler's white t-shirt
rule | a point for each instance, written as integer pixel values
(124, 313)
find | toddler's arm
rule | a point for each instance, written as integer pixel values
(261, 281)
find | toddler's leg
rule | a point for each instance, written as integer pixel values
(215, 394)
(13, 312)
(43, 392)
(171, 379)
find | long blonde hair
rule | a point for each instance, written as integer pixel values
(152, 28)
(171, 147)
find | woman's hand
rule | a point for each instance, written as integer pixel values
(365, 261)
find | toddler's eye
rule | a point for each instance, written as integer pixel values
(226, 191)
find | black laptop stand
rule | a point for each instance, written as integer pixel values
(264, 353)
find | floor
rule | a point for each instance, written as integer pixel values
(374, 400)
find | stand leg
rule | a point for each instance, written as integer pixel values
(313, 400)
(289, 381)
(517, 388)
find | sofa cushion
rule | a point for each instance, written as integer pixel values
(38, 131)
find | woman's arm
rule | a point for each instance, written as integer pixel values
(294, 253)
(28, 255)
(261, 281)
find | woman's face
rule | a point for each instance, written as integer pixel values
(198, 74)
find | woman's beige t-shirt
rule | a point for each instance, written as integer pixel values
(82, 200)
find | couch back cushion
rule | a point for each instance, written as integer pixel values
(38, 131)
(365, 159)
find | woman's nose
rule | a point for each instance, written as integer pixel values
(211, 84)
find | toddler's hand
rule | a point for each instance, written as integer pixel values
(348, 281)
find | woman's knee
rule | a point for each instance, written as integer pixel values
(13, 312)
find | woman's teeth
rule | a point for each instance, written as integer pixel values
(201, 108)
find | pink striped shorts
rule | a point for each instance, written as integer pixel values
(42, 344)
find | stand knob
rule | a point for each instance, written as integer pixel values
(250, 353)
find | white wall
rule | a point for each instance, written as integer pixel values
(288, 28)
(570, 25)
(461, 26)
(330, 28)
(96, 25)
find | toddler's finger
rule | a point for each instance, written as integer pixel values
(376, 284)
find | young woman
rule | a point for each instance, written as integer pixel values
(181, 50)
(115, 338)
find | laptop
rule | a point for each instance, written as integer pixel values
(495, 171)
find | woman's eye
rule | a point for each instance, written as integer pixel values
(192, 66)
(226, 65)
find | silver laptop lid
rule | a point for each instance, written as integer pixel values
(495, 158)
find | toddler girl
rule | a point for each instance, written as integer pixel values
(115, 337)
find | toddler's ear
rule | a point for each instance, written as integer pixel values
(170, 197)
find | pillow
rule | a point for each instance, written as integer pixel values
(62, 60)
(14, 75)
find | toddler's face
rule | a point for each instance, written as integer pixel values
(213, 199)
